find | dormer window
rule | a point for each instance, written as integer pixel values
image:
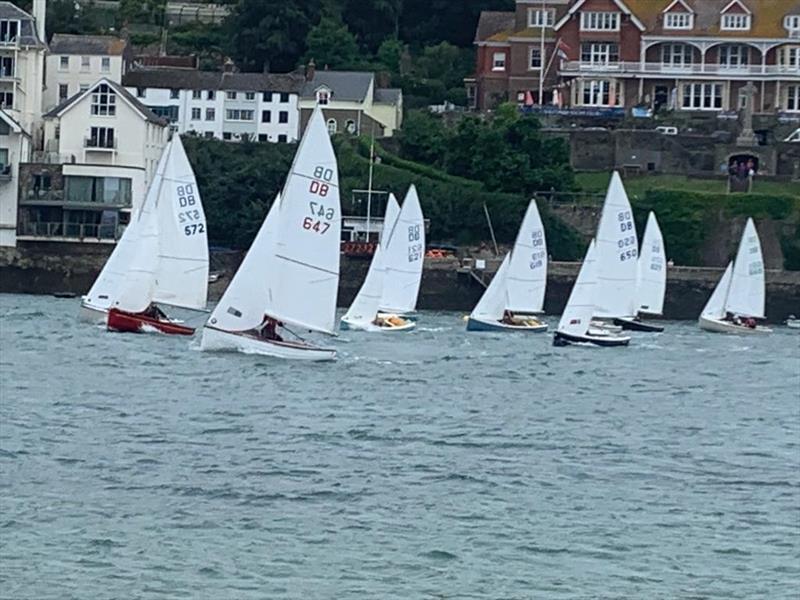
(538, 17)
(735, 22)
(792, 24)
(323, 97)
(678, 20)
(8, 31)
(599, 21)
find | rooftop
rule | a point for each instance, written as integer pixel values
(492, 23)
(106, 45)
(189, 79)
(345, 85)
(27, 34)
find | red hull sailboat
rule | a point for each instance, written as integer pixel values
(121, 321)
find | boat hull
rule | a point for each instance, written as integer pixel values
(92, 314)
(605, 326)
(721, 326)
(217, 340)
(474, 324)
(606, 341)
(634, 325)
(123, 322)
(793, 323)
(345, 325)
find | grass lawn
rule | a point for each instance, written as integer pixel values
(598, 182)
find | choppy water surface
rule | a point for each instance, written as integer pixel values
(434, 464)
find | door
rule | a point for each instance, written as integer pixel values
(661, 97)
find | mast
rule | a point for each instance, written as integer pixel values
(542, 22)
(369, 187)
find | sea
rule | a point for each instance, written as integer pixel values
(436, 464)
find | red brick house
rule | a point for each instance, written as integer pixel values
(693, 55)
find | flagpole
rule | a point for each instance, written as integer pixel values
(542, 22)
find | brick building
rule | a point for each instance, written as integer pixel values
(689, 55)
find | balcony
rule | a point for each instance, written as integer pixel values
(667, 70)
(98, 145)
(76, 232)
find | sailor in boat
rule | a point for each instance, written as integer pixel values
(389, 321)
(155, 313)
(508, 318)
(269, 330)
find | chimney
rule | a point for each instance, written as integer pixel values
(228, 66)
(39, 13)
(311, 70)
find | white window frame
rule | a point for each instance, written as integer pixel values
(735, 22)
(104, 101)
(65, 88)
(105, 64)
(793, 98)
(332, 126)
(249, 95)
(230, 95)
(86, 63)
(599, 91)
(534, 52)
(323, 97)
(699, 91)
(600, 21)
(599, 53)
(792, 24)
(211, 114)
(538, 17)
(679, 20)
(197, 113)
(7, 37)
(104, 137)
(197, 95)
(61, 63)
(239, 114)
(7, 66)
(682, 52)
(736, 56)
(789, 57)
(499, 61)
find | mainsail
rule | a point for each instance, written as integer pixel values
(403, 257)
(746, 294)
(651, 276)
(580, 307)
(364, 308)
(492, 304)
(527, 270)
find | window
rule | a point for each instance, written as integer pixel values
(209, 135)
(170, 113)
(236, 114)
(282, 138)
(101, 137)
(735, 22)
(197, 95)
(350, 126)
(323, 96)
(196, 114)
(792, 23)
(226, 135)
(678, 20)
(597, 53)
(230, 95)
(534, 58)
(541, 18)
(102, 190)
(174, 94)
(104, 101)
(263, 137)
(86, 63)
(283, 117)
(7, 99)
(499, 61)
(789, 56)
(7, 66)
(595, 92)
(733, 55)
(266, 116)
(210, 114)
(63, 63)
(266, 96)
(249, 95)
(210, 95)
(599, 21)
(793, 98)
(63, 91)
(284, 97)
(105, 64)
(676, 55)
(83, 87)
(702, 96)
(332, 126)
(8, 31)
(140, 92)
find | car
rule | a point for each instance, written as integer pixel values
(667, 130)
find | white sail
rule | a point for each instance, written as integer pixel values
(616, 254)
(389, 218)
(527, 270)
(139, 284)
(246, 301)
(182, 275)
(492, 304)
(305, 283)
(746, 294)
(364, 308)
(651, 280)
(580, 307)
(715, 307)
(403, 257)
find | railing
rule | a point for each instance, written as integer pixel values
(95, 144)
(31, 196)
(78, 231)
(9, 43)
(53, 158)
(577, 66)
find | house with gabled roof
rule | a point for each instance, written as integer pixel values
(15, 147)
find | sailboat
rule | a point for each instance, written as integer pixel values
(403, 256)
(616, 253)
(738, 299)
(516, 292)
(574, 327)
(161, 258)
(651, 279)
(290, 276)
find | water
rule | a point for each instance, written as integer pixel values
(434, 464)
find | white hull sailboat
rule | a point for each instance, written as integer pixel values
(289, 278)
(651, 280)
(161, 258)
(516, 293)
(738, 300)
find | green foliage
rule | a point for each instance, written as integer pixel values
(204, 40)
(141, 11)
(790, 245)
(332, 45)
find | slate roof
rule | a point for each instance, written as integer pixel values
(121, 91)
(492, 22)
(388, 95)
(106, 45)
(189, 79)
(27, 34)
(347, 86)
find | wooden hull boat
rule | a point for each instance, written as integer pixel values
(124, 322)
(531, 325)
(214, 339)
(386, 327)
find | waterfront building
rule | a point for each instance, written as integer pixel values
(15, 146)
(351, 102)
(101, 149)
(612, 55)
(75, 62)
(223, 105)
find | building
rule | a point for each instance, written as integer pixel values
(15, 146)
(223, 105)
(77, 61)
(351, 102)
(685, 55)
(101, 148)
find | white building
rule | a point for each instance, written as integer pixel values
(101, 151)
(15, 146)
(227, 106)
(77, 61)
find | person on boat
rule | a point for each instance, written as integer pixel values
(750, 322)
(269, 330)
(154, 312)
(508, 317)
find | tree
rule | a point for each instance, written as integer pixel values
(332, 45)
